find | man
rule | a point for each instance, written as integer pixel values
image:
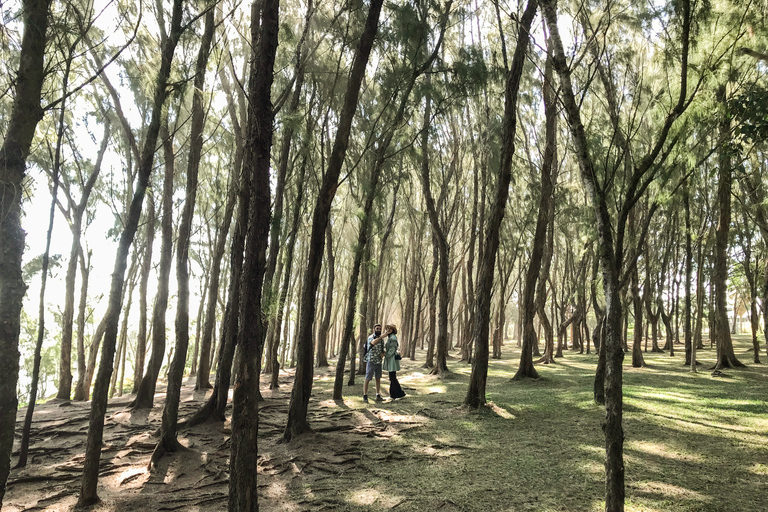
(373, 356)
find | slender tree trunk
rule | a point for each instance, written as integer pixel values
(65, 366)
(146, 268)
(302, 386)
(67, 318)
(476, 392)
(529, 306)
(85, 271)
(322, 338)
(688, 276)
(146, 394)
(25, 114)
(88, 494)
(84, 380)
(440, 235)
(726, 358)
(169, 426)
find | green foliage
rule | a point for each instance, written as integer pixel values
(750, 111)
(35, 265)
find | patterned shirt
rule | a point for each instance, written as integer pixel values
(374, 351)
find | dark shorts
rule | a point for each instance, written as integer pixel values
(372, 370)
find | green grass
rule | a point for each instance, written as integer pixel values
(693, 442)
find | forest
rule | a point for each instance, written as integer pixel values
(207, 205)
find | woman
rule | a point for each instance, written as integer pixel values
(391, 363)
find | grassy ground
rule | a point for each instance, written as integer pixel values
(693, 442)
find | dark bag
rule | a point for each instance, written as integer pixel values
(398, 356)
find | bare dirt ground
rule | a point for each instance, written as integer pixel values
(346, 439)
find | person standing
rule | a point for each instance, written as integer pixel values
(391, 363)
(373, 356)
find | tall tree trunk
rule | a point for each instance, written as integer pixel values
(688, 277)
(146, 394)
(325, 324)
(88, 494)
(726, 358)
(302, 385)
(85, 271)
(289, 253)
(168, 442)
(65, 366)
(25, 114)
(250, 339)
(440, 236)
(233, 196)
(477, 380)
(146, 268)
(529, 306)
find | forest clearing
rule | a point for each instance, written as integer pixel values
(693, 443)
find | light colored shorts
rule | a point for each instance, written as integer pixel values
(372, 370)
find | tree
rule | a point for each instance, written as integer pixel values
(245, 420)
(88, 494)
(477, 380)
(302, 385)
(25, 115)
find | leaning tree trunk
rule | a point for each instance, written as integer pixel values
(476, 392)
(283, 296)
(168, 442)
(88, 494)
(302, 385)
(25, 114)
(243, 494)
(203, 374)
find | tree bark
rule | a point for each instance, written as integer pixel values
(146, 394)
(726, 358)
(325, 324)
(476, 392)
(688, 277)
(529, 305)
(440, 236)
(169, 426)
(25, 114)
(88, 494)
(243, 494)
(302, 386)
(146, 268)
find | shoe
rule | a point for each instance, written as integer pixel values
(379, 399)
(365, 398)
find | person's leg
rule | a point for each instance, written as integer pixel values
(365, 387)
